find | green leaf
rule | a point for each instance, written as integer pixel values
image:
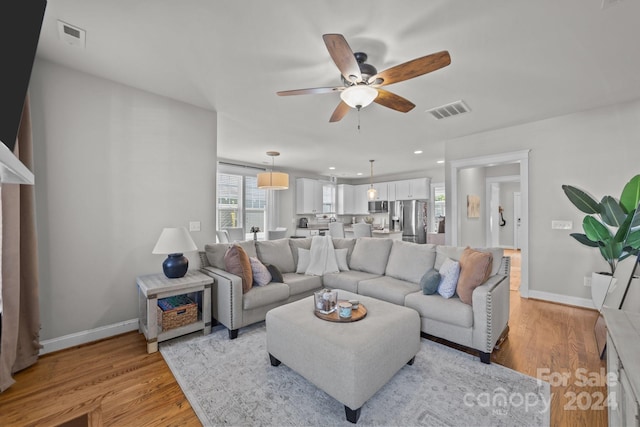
(633, 240)
(631, 194)
(581, 200)
(584, 240)
(612, 213)
(595, 230)
(611, 252)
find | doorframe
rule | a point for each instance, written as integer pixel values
(520, 157)
(490, 181)
(516, 227)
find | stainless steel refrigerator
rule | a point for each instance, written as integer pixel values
(413, 218)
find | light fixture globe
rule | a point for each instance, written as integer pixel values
(358, 96)
(273, 180)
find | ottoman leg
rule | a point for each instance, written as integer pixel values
(274, 361)
(352, 414)
(410, 362)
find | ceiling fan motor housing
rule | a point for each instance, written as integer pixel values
(367, 70)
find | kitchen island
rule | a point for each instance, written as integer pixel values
(382, 233)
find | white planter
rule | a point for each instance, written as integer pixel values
(601, 284)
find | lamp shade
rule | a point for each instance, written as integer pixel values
(358, 96)
(273, 180)
(372, 193)
(173, 241)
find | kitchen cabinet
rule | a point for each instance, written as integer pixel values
(412, 189)
(345, 204)
(360, 202)
(314, 196)
(382, 188)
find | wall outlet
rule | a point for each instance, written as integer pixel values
(194, 225)
(587, 281)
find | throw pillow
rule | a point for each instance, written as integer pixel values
(475, 268)
(261, 275)
(341, 257)
(237, 262)
(304, 258)
(430, 281)
(276, 275)
(449, 272)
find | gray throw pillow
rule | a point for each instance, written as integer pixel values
(276, 275)
(430, 281)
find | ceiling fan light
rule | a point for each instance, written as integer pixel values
(358, 96)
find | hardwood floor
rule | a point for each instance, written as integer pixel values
(138, 389)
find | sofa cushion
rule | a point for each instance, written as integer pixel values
(237, 262)
(475, 268)
(215, 252)
(260, 272)
(409, 261)
(370, 254)
(341, 243)
(276, 252)
(449, 273)
(430, 281)
(346, 280)
(387, 289)
(455, 252)
(294, 244)
(304, 258)
(300, 283)
(259, 296)
(341, 258)
(452, 310)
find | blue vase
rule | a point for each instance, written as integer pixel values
(175, 266)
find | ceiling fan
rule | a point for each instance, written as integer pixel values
(362, 82)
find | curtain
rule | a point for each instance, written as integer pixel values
(20, 342)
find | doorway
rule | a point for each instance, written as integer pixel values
(454, 206)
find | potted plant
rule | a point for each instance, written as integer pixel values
(610, 225)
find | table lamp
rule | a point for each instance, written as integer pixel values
(173, 242)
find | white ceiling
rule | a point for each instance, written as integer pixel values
(512, 61)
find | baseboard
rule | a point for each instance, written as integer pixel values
(561, 299)
(84, 337)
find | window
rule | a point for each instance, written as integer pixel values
(240, 202)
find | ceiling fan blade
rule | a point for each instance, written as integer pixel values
(411, 69)
(310, 91)
(341, 110)
(393, 101)
(343, 56)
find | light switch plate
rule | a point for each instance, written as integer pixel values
(194, 225)
(561, 225)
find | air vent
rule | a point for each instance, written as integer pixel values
(72, 35)
(449, 110)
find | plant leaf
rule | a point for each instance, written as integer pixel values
(612, 213)
(581, 200)
(633, 241)
(595, 230)
(631, 194)
(584, 240)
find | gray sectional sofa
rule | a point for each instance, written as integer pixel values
(386, 269)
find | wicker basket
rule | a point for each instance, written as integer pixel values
(176, 312)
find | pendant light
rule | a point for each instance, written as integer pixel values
(273, 180)
(372, 193)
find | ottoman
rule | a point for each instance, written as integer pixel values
(349, 361)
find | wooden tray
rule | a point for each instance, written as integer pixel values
(333, 317)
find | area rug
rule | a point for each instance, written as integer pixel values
(231, 382)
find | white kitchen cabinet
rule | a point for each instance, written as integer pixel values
(345, 199)
(314, 196)
(382, 188)
(360, 202)
(308, 196)
(412, 189)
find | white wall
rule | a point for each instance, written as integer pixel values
(113, 166)
(597, 150)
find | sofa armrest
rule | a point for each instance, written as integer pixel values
(491, 310)
(227, 291)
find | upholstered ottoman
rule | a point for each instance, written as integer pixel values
(349, 361)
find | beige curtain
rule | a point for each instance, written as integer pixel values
(20, 342)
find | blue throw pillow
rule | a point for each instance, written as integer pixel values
(449, 272)
(430, 281)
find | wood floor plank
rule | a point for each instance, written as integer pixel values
(138, 389)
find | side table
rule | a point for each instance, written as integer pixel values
(154, 286)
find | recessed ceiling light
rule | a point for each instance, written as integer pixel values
(332, 168)
(440, 161)
(417, 152)
(359, 173)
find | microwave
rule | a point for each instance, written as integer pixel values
(377, 206)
